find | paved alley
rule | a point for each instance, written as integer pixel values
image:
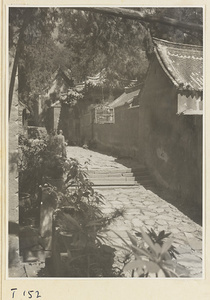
(144, 209)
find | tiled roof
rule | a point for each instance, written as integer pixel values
(124, 98)
(62, 71)
(98, 79)
(67, 73)
(182, 63)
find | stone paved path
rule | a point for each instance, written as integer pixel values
(94, 159)
(145, 209)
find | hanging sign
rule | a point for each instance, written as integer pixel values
(104, 114)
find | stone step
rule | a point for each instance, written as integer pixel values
(122, 179)
(113, 175)
(121, 176)
(108, 171)
(115, 184)
(118, 171)
(115, 187)
(115, 181)
(111, 182)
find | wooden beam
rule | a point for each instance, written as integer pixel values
(136, 15)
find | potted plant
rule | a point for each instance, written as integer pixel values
(55, 164)
(78, 227)
(30, 160)
(79, 235)
(30, 176)
(53, 170)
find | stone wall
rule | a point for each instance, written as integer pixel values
(86, 127)
(122, 136)
(171, 143)
(119, 138)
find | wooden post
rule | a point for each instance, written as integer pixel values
(46, 218)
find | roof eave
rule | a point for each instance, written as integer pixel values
(157, 41)
(177, 85)
(165, 68)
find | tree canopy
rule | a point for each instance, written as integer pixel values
(87, 42)
(99, 41)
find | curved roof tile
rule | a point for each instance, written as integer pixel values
(124, 98)
(182, 63)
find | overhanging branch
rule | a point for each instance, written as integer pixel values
(136, 15)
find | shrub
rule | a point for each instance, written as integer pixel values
(81, 223)
(30, 164)
(150, 258)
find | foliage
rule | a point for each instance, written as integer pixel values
(37, 63)
(98, 41)
(90, 262)
(150, 258)
(39, 158)
(71, 97)
(77, 206)
(53, 165)
(160, 239)
(42, 22)
(171, 33)
(30, 164)
(39, 56)
(78, 214)
(88, 42)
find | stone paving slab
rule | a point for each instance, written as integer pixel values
(186, 242)
(93, 159)
(144, 209)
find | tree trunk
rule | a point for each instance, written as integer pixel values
(26, 20)
(136, 15)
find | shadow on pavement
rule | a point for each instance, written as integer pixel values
(191, 209)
